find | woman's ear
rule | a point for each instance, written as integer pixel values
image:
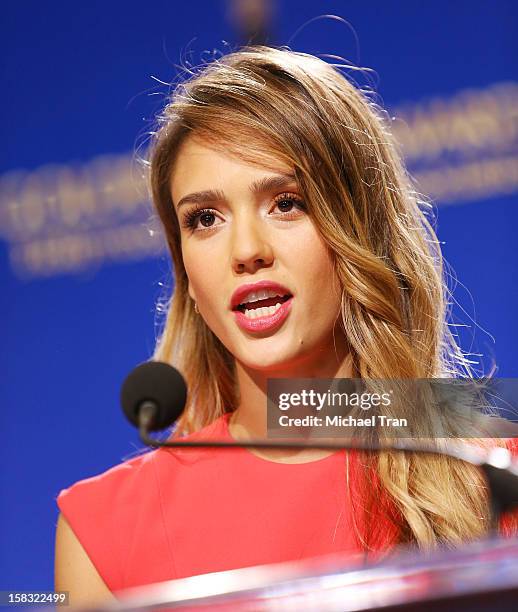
(192, 295)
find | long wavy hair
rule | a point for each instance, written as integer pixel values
(394, 310)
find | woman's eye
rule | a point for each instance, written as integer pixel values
(286, 201)
(201, 219)
(205, 217)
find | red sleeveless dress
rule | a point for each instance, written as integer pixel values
(172, 513)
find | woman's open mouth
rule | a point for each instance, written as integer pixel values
(263, 314)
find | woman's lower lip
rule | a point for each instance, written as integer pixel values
(264, 323)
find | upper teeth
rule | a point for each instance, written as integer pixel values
(255, 296)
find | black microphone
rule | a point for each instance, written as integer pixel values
(153, 397)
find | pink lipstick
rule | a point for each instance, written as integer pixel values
(264, 323)
(263, 294)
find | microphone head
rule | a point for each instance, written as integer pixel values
(159, 383)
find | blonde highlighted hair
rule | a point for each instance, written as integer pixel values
(306, 113)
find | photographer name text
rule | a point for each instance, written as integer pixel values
(342, 421)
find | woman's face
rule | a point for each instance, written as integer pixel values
(254, 228)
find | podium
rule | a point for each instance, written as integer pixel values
(479, 577)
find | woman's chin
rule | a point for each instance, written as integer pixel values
(274, 360)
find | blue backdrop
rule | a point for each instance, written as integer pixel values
(80, 275)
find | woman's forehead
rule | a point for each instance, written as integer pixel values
(254, 152)
(198, 159)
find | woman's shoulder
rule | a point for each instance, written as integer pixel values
(97, 510)
(109, 480)
(108, 510)
(123, 478)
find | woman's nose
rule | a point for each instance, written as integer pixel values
(250, 246)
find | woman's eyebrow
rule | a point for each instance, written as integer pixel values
(263, 185)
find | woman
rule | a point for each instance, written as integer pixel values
(277, 182)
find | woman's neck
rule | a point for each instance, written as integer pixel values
(249, 419)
